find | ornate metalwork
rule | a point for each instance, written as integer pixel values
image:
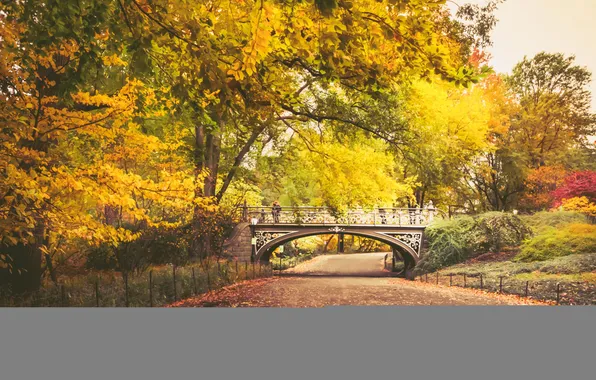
(337, 229)
(323, 215)
(264, 237)
(412, 240)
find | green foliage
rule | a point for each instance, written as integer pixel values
(450, 242)
(554, 99)
(101, 258)
(155, 246)
(453, 241)
(553, 242)
(547, 219)
(331, 173)
(290, 261)
(495, 230)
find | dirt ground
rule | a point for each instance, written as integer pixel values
(341, 280)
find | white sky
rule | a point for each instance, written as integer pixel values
(527, 27)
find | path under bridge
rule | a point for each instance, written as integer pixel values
(261, 230)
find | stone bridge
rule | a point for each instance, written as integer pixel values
(261, 230)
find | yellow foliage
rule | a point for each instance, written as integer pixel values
(580, 204)
(66, 164)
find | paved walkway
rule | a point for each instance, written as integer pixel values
(348, 279)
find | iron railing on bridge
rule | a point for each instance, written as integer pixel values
(324, 215)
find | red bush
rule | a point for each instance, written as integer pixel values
(578, 184)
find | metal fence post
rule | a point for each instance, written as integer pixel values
(97, 293)
(194, 281)
(437, 278)
(174, 278)
(465, 280)
(426, 277)
(253, 270)
(500, 284)
(151, 288)
(527, 282)
(126, 289)
(481, 284)
(450, 279)
(63, 295)
(259, 269)
(558, 293)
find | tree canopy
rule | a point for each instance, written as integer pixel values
(126, 121)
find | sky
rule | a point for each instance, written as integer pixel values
(527, 27)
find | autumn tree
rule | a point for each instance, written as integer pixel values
(119, 116)
(577, 184)
(539, 185)
(349, 173)
(541, 119)
(75, 164)
(448, 126)
(246, 71)
(554, 103)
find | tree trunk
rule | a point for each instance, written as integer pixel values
(327, 244)
(26, 271)
(238, 160)
(212, 155)
(199, 163)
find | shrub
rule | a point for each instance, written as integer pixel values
(546, 219)
(495, 230)
(154, 246)
(580, 204)
(578, 184)
(553, 242)
(453, 241)
(101, 258)
(450, 242)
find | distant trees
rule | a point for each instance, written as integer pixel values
(544, 120)
(554, 104)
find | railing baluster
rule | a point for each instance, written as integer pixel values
(322, 215)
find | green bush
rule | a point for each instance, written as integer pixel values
(288, 261)
(546, 219)
(453, 241)
(154, 247)
(450, 242)
(495, 230)
(553, 242)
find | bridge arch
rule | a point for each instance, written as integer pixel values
(265, 250)
(400, 228)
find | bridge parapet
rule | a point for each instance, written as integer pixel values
(325, 216)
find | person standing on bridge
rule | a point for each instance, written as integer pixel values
(275, 211)
(383, 215)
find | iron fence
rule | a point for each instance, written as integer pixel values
(157, 287)
(557, 292)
